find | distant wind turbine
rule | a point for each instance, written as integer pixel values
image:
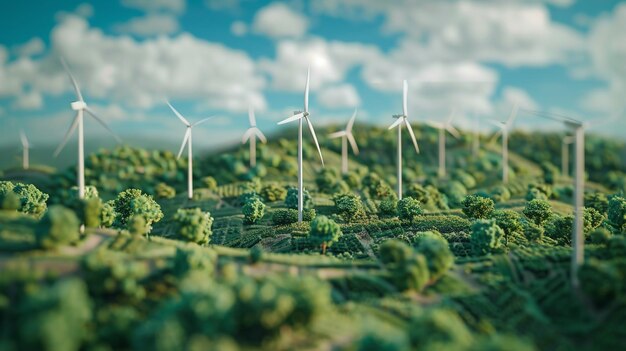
(251, 134)
(403, 119)
(443, 127)
(504, 132)
(300, 116)
(346, 136)
(80, 106)
(187, 141)
(25, 149)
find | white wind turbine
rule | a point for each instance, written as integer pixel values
(443, 127)
(299, 116)
(25, 149)
(346, 136)
(565, 145)
(80, 106)
(504, 132)
(251, 134)
(400, 119)
(187, 141)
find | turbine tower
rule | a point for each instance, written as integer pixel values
(346, 136)
(403, 119)
(251, 134)
(187, 141)
(443, 128)
(80, 106)
(300, 116)
(25, 149)
(504, 132)
(565, 145)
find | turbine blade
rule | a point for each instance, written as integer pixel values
(67, 136)
(495, 136)
(306, 90)
(315, 139)
(512, 116)
(405, 92)
(202, 121)
(396, 123)
(260, 134)
(23, 139)
(408, 126)
(179, 115)
(455, 133)
(182, 146)
(355, 147)
(496, 123)
(92, 114)
(292, 118)
(337, 134)
(351, 122)
(69, 73)
(251, 116)
(247, 135)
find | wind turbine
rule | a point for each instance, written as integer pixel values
(251, 134)
(346, 136)
(565, 145)
(80, 106)
(443, 127)
(25, 149)
(504, 131)
(300, 116)
(187, 141)
(400, 119)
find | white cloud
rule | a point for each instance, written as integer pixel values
(150, 24)
(176, 6)
(34, 46)
(29, 101)
(239, 28)
(338, 96)
(278, 20)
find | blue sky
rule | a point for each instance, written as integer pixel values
(217, 57)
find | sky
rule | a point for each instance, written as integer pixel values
(218, 57)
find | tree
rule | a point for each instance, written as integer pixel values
(592, 219)
(600, 280)
(32, 200)
(349, 207)
(352, 179)
(291, 201)
(59, 226)
(408, 269)
(9, 201)
(617, 213)
(324, 231)
(409, 209)
(388, 207)
(91, 212)
(283, 216)
(273, 192)
(456, 192)
(326, 180)
(194, 225)
(253, 210)
(437, 253)
(136, 225)
(107, 215)
(164, 191)
(486, 237)
(510, 222)
(133, 202)
(560, 228)
(209, 183)
(439, 329)
(478, 207)
(538, 211)
(533, 232)
(418, 192)
(597, 200)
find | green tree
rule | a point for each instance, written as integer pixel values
(510, 222)
(133, 202)
(597, 200)
(107, 215)
(533, 232)
(437, 253)
(283, 216)
(253, 210)
(209, 183)
(273, 192)
(59, 226)
(136, 225)
(291, 201)
(32, 200)
(486, 237)
(194, 225)
(478, 207)
(349, 207)
(409, 209)
(538, 211)
(408, 269)
(388, 207)
(439, 329)
(324, 231)
(164, 191)
(617, 213)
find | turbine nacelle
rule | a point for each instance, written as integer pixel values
(78, 105)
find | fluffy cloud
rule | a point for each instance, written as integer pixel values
(176, 6)
(150, 24)
(238, 28)
(278, 20)
(29, 101)
(34, 46)
(338, 96)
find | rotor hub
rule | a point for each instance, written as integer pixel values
(78, 105)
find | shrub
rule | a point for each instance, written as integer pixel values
(478, 207)
(600, 236)
(617, 213)
(190, 259)
(291, 200)
(408, 270)
(442, 223)
(194, 225)
(133, 202)
(538, 192)
(592, 219)
(9, 201)
(164, 191)
(409, 209)
(136, 225)
(388, 207)
(437, 253)
(509, 221)
(209, 183)
(90, 212)
(326, 180)
(486, 237)
(439, 329)
(352, 179)
(349, 207)
(273, 192)
(107, 215)
(324, 232)
(538, 211)
(561, 228)
(287, 216)
(253, 210)
(597, 200)
(464, 178)
(500, 194)
(455, 192)
(533, 232)
(59, 226)
(32, 200)
(600, 280)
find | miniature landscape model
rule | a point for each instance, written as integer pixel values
(348, 236)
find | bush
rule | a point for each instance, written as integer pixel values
(439, 329)
(352, 179)
(253, 210)
(442, 223)
(90, 212)
(388, 207)
(418, 192)
(486, 237)
(291, 201)
(478, 207)
(107, 215)
(209, 183)
(326, 180)
(456, 192)
(191, 259)
(592, 219)
(600, 236)
(59, 226)
(597, 200)
(510, 222)
(287, 216)
(409, 209)
(617, 213)
(408, 270)
(437, 253)
(32, 200)
(538, 211)
(500, 194)
(464, 178)
(9, 201)
(133, 202)
(600, 280)
(561, 229)
(349, 207)
(324, 232)
(273, 192)
(539, 192)
(164, 191)
(193, 225)
(533, 232)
